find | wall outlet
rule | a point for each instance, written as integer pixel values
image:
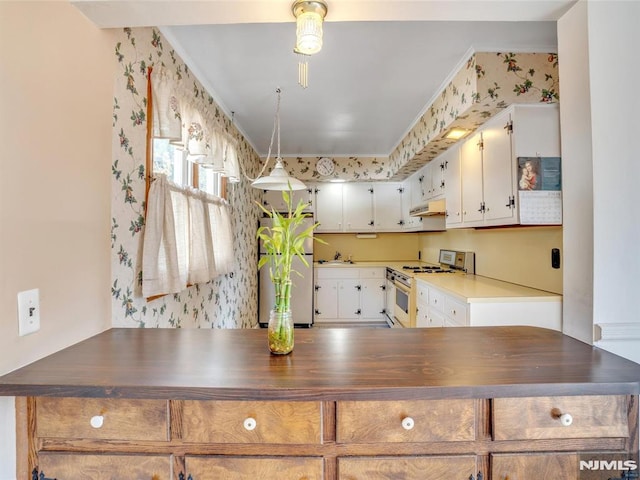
(28, 311)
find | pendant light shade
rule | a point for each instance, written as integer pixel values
(278, 179)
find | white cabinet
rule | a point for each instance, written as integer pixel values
(328, 206)
(488, 174)
(417, 185)
(452, 180)
(363, 207)
(433, 181)
(471, 179)
(347, 294)
(388, 206)
(373, 293)
(436, 308)
(357, 207)
(425, 315)
(273, 199)
(447, 309)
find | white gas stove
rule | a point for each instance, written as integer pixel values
(400, 283)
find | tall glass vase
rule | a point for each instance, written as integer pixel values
(280, 328)
(280, 332)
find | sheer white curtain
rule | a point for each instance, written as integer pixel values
(187, 238)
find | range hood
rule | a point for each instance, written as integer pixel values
(434, 207)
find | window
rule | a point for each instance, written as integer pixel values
(170, 159)
(190, 158)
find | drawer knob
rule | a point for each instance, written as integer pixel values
(566, 419)
(97, 421)
(408, 423)
(250, 423)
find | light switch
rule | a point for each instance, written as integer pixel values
(28, 311)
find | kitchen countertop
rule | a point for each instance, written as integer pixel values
(468, 288)
(326, 364)
(475, 289)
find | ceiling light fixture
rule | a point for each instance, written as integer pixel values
(309, 17)
(456, 133)
(278, 179)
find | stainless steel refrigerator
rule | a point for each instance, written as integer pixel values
(302, 286)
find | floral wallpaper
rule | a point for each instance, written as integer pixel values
(486, 84)
(229, 301)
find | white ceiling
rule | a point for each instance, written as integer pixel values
(367, 87)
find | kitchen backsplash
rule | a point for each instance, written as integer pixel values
(229, 301)
(519, 255)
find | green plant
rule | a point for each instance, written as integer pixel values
(282, 242)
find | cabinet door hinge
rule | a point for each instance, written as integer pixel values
(511, 202)
(35, 475)
(509, 127)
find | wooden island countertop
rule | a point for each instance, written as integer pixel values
(327, 364)
(346, 404)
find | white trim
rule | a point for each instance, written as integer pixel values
(616, 331)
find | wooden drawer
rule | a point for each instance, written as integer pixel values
(69, 466)
(243, 468)
(102, 418)
(407, 468)
(550, 466)
(541, 417)
(405, 421)
(436, 299)
(456, 311)
(252, 422)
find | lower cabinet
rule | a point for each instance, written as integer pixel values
(67, 466)
(408, 468)
(348, 294)
(254, 468)
(538, 466)
(520, 438)
(437, 308)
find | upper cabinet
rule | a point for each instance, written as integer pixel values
(273, 199)
(357, 207)
(328, 206)
(487, 171)
(364, 207)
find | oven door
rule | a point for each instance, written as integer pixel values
(401, 307)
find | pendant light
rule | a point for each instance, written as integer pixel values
(278, 179)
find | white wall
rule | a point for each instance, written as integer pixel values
(577, 174)
(614, 39)
(56, 92)
(598, 47)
